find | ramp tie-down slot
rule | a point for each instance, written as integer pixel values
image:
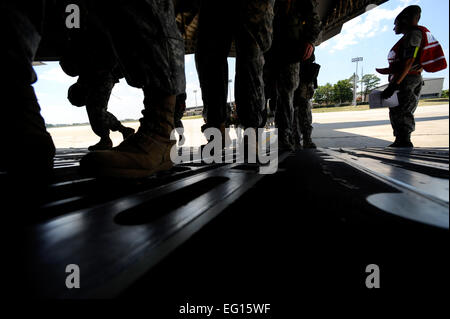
(151, 210)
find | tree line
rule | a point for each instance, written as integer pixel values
(342, 91)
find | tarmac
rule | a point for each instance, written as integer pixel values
(372, 128)
(357, 129)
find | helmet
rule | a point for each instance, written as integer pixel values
(77, 95)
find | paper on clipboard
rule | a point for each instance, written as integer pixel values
(376, 101)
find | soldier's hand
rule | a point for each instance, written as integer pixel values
(309, 49)
(389, 91)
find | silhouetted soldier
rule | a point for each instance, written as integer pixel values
(150, 51)
(89, 55)
(302, 129)
(28, 149)
(296, 27)
(94, 91)
(180, 107)
(249, 24)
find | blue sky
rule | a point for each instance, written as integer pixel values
(369, 36)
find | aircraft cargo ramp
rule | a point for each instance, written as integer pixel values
(203, 230)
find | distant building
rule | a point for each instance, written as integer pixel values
(193, 111)
(432, 88)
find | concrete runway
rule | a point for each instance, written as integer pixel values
(335, 129)
(372, 128)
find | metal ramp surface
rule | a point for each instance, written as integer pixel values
(117, 231)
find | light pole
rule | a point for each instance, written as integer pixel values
(229, 88)
(195, 92)
(362, 83)
(354, 79)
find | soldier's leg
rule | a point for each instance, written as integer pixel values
(287, 83)
(28, 148)
(180, 107)
(296, 138)
(249, 83)
(270, 88)
(99, 88)
(253, 34)
(151, 51)
(213, 46)
(303, 104)
(402, 116)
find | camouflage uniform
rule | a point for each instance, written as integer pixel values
(402, 116)
(150, 51)
(180, 107)
(24, 134)
(302, 103)
(97, 91)
(149, 48)
(281, 82)
(249, 23)
(282, 69)
(88, 54)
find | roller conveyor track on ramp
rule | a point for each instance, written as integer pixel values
(421, 176)
(117, 231)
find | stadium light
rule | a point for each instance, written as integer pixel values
(354, 78)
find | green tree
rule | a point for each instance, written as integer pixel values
(370, 82)
(445, 93)
(324, 94)
(343, 91)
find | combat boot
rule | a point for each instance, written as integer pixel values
(296, 142)
(104, 144)
(402, 141)
(284, 141)
(142, 154)
(308, 142)
(297, 146)
(126, 132)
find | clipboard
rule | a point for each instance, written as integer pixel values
(375, 100)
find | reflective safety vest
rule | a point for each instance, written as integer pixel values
(430, 53)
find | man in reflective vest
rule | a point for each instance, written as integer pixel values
(405, 75)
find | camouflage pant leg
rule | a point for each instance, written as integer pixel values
(287, 80)
(148, 43)
(257, 20)
(402, 116)
(180, 107)
(213, 46)
(249, 88)
(270, 87)
(99, 88)
(21, 35)
(22, 40)
(253, 39)
(303, 109)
